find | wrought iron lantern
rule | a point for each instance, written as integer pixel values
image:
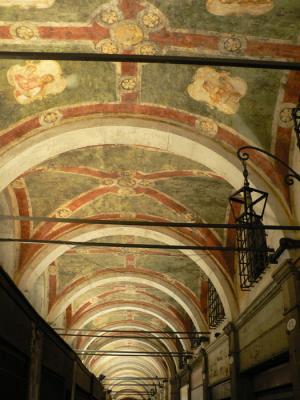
(248, 207)
(296, 119)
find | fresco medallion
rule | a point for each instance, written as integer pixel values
(50, 117)
(207, 127)
(24, 31)
(232, 44)
(127, 33)
(128, 83)
(27, 3)
(285, 115)
(35, 81)
(218, 89)
(63, 212)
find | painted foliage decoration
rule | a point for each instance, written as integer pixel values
(129, 34)
(27, 3)
(218, 89)
(35, 81)
(239, 7)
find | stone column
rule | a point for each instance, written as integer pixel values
(204, 373)
(288, 278)
(175, 388)
(35, 363)
(234, 359)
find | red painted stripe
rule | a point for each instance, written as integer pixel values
(187, 40)
(273, 50)
(129, 69)
(18, 131)
(130, 97)
(5, 32)
(23, 205)
(52, 290)
(130, 8)
(94, 32)
(150, 306)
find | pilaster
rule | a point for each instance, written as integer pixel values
(288, 278)
(234, 359)
(35, 363)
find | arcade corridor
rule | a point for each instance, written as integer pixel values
(149, 200)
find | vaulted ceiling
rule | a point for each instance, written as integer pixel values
(138, 142)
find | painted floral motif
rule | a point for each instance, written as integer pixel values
(107, 182)
(107, 46)
(35, 81)
(151, 19)
(27, 3)
(24, 31)
(232, 44)
(147, 49)
(285, 115)
(128, 83)
(63, 213)
(239, 7)
(50, 117)
(109, 16)
(218, 89)
(207, 127)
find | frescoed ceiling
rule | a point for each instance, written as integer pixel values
(144, 141)
(249, 28)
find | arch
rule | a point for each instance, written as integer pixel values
(130, 325)
(116, 370)
(166, 137)
(183, 296)
(141, 345)
(174, 325)
(138, 363)
(218, 277)
(168, 359)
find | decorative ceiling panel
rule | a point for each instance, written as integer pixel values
(247, 28)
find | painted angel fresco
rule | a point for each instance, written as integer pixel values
(218, 89)
(35, 81)
(239, 7)
(27, 3)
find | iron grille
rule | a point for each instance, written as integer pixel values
(216, 313)
(252, 262)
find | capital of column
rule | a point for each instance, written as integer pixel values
(229, 329)
(285, 271)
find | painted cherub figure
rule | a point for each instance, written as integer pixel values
(36, 81)
(239, 7)
(218, 89)
(27, 3)
(30, 85)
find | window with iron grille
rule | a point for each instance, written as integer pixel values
(254, 259)
(216, 313)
